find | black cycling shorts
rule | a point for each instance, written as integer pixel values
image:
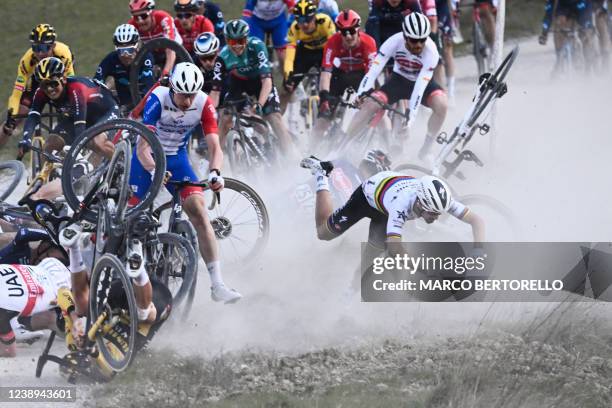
(398, 87)
(340, 81)
(304, 60)
(5, 320)
(252, 88)
(354, 210)
(581, 12)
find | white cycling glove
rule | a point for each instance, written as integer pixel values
(214, 177)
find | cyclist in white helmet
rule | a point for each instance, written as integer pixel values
(174, 112)
(388, 199)
(415, 57)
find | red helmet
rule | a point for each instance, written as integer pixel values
(140, 5)
(347, 19)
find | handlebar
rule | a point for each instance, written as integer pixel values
(385, 106)
(204, 184)
(50, 157)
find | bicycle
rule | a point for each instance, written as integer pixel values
(250, 143)
(364, 138)
(569, 55)
(480, 48)
(11, 173)
(490, 88)
(240, 222)
(309, 108)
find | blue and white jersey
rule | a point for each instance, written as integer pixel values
(174, 126)
(266, 9)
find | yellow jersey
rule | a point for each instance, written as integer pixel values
(26, 69)
(316, 40)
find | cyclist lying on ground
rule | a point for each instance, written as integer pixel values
(84, 104)
(388, 199)
(174, 112)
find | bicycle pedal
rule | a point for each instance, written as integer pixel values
(484, 129)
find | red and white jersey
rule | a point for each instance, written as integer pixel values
(429, 7)
(32, 289)
(200, 25)
(359, 58)
(417, 68)
(163, 26)
(174, 126)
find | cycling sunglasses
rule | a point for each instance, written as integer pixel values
(305, 19)
(126, 51)
(50, 84)
(415, 41)
(41, 47)
(348, 31)
(206, 57)
(141, 17)
(237, 41)
(184, 16)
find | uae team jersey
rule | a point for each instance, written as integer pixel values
(32, 289)
(394, 194)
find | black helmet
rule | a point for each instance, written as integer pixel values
(48, 68)
(43, 33)
(186, 6)
(375, 161)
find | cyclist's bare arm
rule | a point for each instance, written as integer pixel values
(143, 152)
(214, 97)
(375, 70)
(325, 81)
(80, 292)
(214, 151)
(170, 59)
(266, 88)
(477, 223)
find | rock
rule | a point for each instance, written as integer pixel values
(382, 387)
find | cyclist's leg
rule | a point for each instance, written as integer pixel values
(435, 98)
(279, 28)
(487, 16)
(601, 22)
(272, 115)
(256, 28)
(331, 224)
(8, 347)
(586, 32)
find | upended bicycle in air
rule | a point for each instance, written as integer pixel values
(491, 87)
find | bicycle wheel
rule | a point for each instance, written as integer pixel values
(129, 130)
(159, 43)
(417, 171)
(35, 158)
(118, 177)
(11, 173)
(173, 261)
(493, 86)
(240, 222)
(111, 300)
(239, 157)
(185, 229)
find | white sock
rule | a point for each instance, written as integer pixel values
(214, 270)
(322, 182)
(76, 259)
(450, 85)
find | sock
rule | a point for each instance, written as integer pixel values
(322, 183)
(450, 84)
(214, 270)
(143, 277)
(76, 260)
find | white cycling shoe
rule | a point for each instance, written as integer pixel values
(221, 293)
(317, 167)
(23, 335)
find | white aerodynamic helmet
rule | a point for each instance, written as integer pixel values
(416, 26)
(125, 34)
(186, 78)
(206, 44)
(434, 194)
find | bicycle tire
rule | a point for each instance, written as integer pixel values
(497, 79)
(235, 141)
(90, 214)
(181, 56)
(19, 169)
(496, 205)
(96, 303)
(188, 270)
(36, 158)
(122, 148)
(259, 208)
(186, 229)
(417, 171)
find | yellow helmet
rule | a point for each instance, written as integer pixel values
(43, 33)
(48, 68)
